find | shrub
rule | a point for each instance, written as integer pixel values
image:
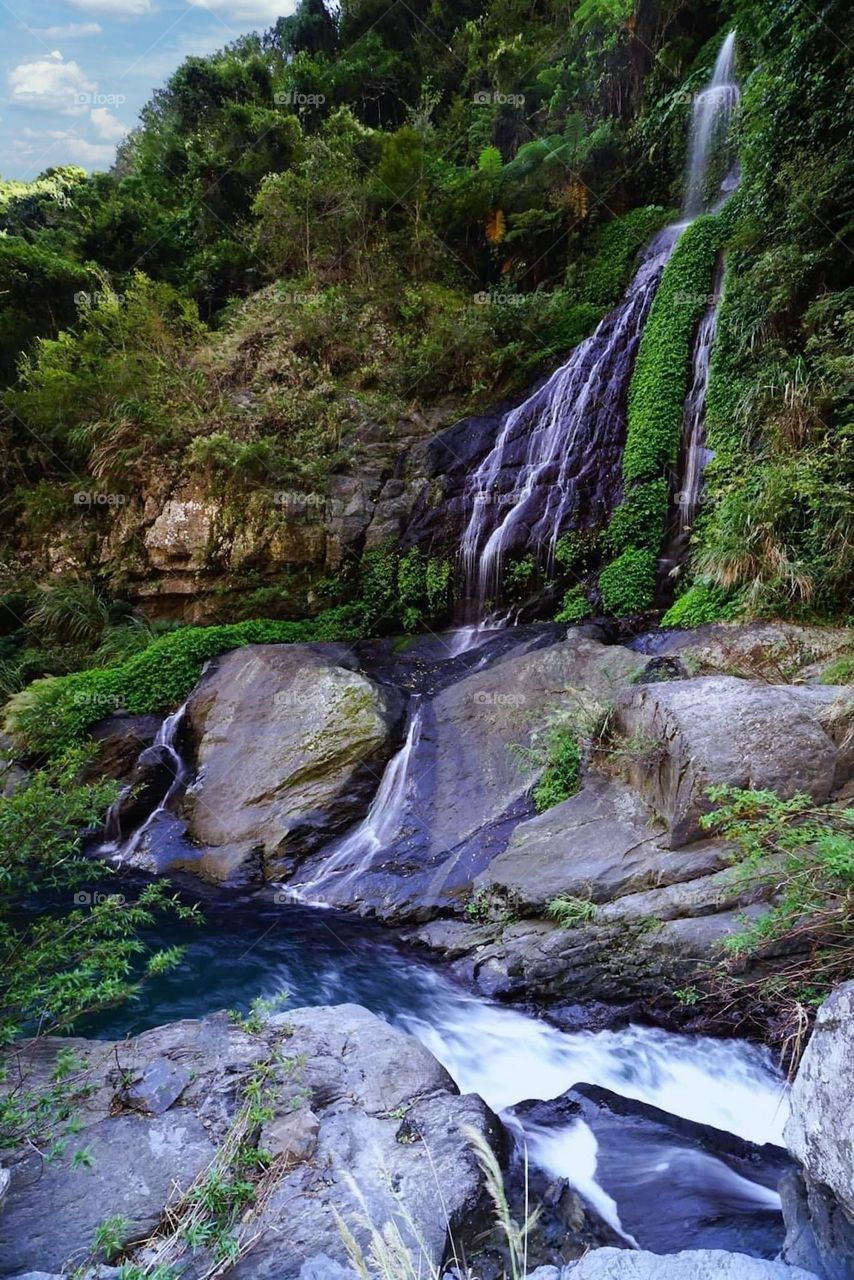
(575, 606)
(628, 583)
(570, 911)
(562, 774)
(700, 604)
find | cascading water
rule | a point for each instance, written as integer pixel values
(550, 450)
(355, 853)
(556, 456)
(165, 749)
(693, 454)
(708, 173)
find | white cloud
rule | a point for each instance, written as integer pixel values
(51, 85)
(72, 31)
(115, 8)
(106, 124)
(266, 11)
(47, 144)
(93, 155)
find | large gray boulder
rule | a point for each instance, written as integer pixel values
(689, 735)
(290, 743)
(598, 845)
(467, 781)
(819, 1201)
(693, 1264)
(363, 1122)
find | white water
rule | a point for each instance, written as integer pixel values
(508, 1057)
(710, 125)
(357, 851)
(166, 737)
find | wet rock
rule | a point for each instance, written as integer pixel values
(720, 1189)
(693, 1264)
(150, 778)
(158, 1088)
(121, 738)
(12, 776)
(468, 786)
(720, 729)
(819, 1201)
(290, 743)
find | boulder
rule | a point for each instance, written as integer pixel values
(598, 845)
(819, 1201)
(366, 1120)
(467, 785)
(689, 735)
(692, 1264)
(290, 742)
(121, 739)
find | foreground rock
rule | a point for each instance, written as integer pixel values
(818, 1200)
(355, 1108)
(720, 1190)
(290, 742)
(693, 1264)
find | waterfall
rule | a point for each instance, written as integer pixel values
(164, 746)
(693, 454)
(552, 447)
(356, 851)
(710, 129)
(553, 462)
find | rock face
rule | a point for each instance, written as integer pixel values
(349, 1096)
(290, 742)
(599, 845)
(693, 1264)
(819, 1200)
(694, 734)
(466, 785)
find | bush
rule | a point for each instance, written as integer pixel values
(575, 606)
(627, 584)
(54, 713)
(701, 604)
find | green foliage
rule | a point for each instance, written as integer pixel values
(53, 713)
(561, 758)
(570, 911)
(110, 1237)
(627, 585)
(840, 671)
(575, 606)
(700, 604)
(606, 268)
(803, 854)
(639, 519)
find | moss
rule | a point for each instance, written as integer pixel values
(642, 512)
(840, 671)
(628, 584)
(54, 713)
(701, 604)
(606, 267)
(575, 606)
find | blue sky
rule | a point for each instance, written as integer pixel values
(75, 73)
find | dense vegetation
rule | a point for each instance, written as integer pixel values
(350, 216)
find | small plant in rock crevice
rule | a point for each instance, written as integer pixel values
(570, 911)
